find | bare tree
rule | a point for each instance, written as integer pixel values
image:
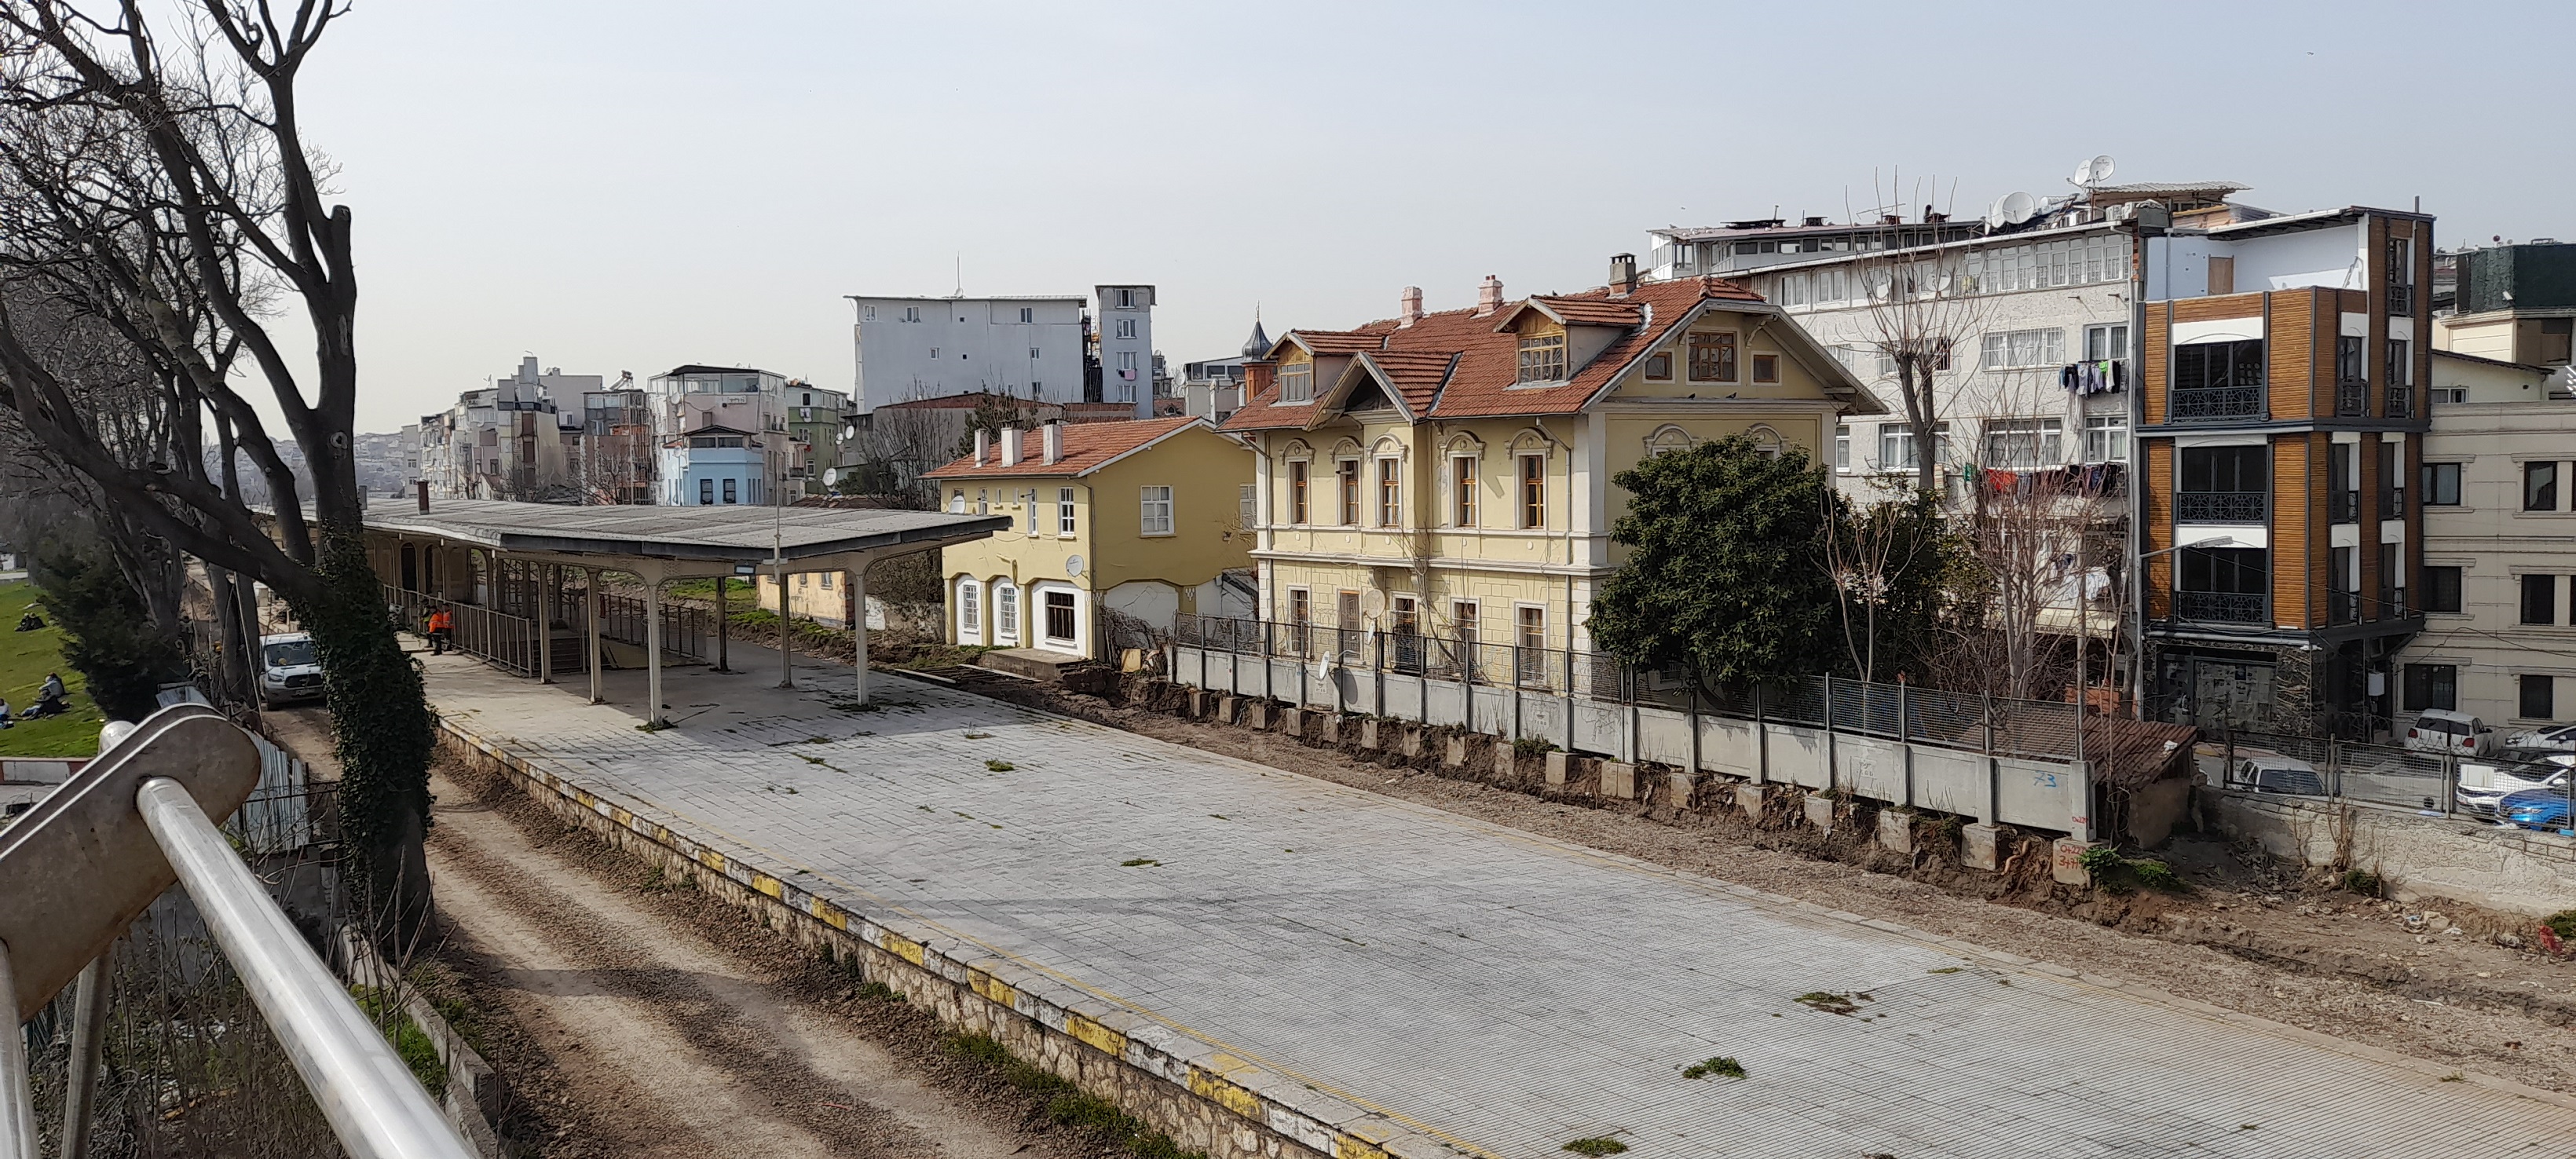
(154, 178)
(1922, 316)
(2034, 531)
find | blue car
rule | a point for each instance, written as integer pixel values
(2542, 809)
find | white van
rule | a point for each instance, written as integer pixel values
(2440, 730)
(288, 669)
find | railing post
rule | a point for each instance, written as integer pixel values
(89, 1029)
(17, 1090)
(2334, 767)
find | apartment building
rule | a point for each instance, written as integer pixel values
(2280, 421)
(509, 440)
(1034, 347)
(1139, 520)
(619, 451)
(1447, 475)
(2513, 303)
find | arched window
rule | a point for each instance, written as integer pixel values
(1766, 441)
(1666, 440)
(1006, 614)
(970, 612)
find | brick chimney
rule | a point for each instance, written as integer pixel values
(1010, 446)
(1623, 274)
(1489, 296)
(983, 443)
(1257, 377)
(1408, 309)
(1051, 441)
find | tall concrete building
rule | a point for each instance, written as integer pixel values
(1126, 346)
(1044, 348)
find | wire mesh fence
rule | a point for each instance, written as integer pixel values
(2038, 729)
(2476, 785)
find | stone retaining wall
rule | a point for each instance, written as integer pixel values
(2513, 870)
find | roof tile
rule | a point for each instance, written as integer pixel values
(1087, 446)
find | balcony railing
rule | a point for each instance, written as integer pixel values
(2401, 299)
(2352, 398)
(2343, 607)
(2392, 503)
(2222, 607)
(2222, 506)
(2201, 404)
(2401, 402)
(2343, 506)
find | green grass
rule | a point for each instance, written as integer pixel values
(1596, 1147)
(1067, 1104)
(410, 1042)
(1721, 1067)
(25, 658)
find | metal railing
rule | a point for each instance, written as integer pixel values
(2401, 402)
(505, 640)
(2392, 503)
(2343, 607)
(2216, 403)
(2041, 729)
(2222, 607)
(91, 857)
(2352, 771)
(2352, 398)
(2343, 506)
(2401, 299)
(2222, 506)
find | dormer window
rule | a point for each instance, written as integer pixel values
(1297, 383)
(1543, 358)
(1712, 357)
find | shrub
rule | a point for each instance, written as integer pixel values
(2363, 882)
(1532, 747)
(2562, 923)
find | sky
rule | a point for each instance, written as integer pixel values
(631, 186)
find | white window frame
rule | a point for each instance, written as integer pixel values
(1064, 513)
(970, 610)
(1154, 510)
(2047, 443)
(1006, 614)
(2017, 349)
(2106, 437)
(2115, 351)
(1079, 644)
(1842, 448)
(1905, 431)
(1297, 383)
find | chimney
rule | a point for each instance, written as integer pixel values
(1489, 296)
(420, 490)
(1010, 446)
(983, 442)
(1408, 308)
(1257, 377)
(1623, 274)
(1051, 441)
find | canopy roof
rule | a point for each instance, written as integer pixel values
(743, 534)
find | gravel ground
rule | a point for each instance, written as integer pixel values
(2248, 936)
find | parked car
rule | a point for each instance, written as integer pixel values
(2440, 730)
(2542, 809)
(2561, 737)
(289, 669)
(2485, 784)
(2277, 775)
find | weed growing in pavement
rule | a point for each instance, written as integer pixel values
(2455, 1077)
(818, 740)
(811, 760)
(979, 736)
(1000, 766)
(1944, 970)
(1067, 1104)
(2115, 874)
(879, 992)
(1721, 1067)
(1133, 862)
(1832, 1002)
(1596, 1146)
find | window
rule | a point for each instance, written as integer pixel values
(1667, 441)
(1060, 626)
(2539, 700)
(1033, 352)
(983, 501)
(1126, 299)
(1543, 358)
(868, 313)
(2540, 486)
(2432, 686)
(2232, 569)
(827, 581)
(2022, 444)
(1390, 492)
(1712, 357)
(2231, 469)
(1530, 637)
(2106, 438)
(1349, 472)
(1842, 446)
(2442, 589)
(1301, 613)
(2348, 367)
(1937, 358)
(1659, 366)
(2024, 348)
(1896, 445)
(970, 612)
(1126, 327)
(2540, 599)
(1533, 472)
(934, 352)
(729, 494)
(1029, 314)
(1247, 504)
(2441, 484)
(706, 492)
(2401, 369)
(1297, 383)
(1064, 511)
(1297, 491)
(957, 503)
(912, 313)
(2109, 342)
(2392, 579)
(2212, 364)
(1154, 516)
(1462, 491)
(1766, 368)
(1006, 614)
(1127, 360)
(2557, 341)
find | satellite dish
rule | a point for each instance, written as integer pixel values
(1372, 602)
(2018, 207)
(1995, 214)
(831, 476)
(1073, 566)
(1941, 283)
(2093, 172)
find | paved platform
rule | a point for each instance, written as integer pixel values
(1500, 991)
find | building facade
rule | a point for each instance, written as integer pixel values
(1124, 330)
(914, 348)
(509, 440)
(1447, 475)
(2513, 303)
(1137, 522)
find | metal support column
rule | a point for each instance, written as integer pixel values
(857, 579)
(653, 647)
(590, 629)
(723, 604)
(17, 1093)
(549, 590)
(89, 1030)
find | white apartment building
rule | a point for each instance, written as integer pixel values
(1126, 346)
(2499, 570)
(507, 440)
(915, 348)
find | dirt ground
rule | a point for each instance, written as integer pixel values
(2431, 981)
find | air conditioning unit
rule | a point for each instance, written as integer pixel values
(2119, 213)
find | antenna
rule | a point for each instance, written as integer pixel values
(960, 291)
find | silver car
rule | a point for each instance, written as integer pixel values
(2557, 737)
(2484, 784)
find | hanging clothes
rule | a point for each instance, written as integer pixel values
(2003, 482)
(2068, 380)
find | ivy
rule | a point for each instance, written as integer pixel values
(380, 713)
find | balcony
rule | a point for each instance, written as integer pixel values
(2343, 506)
(2392, 503)
(2352, 398)
(2222, 507)
(2204, 404)
(2401, 299)
(2343, 607)
(2222, 607)
(2401, 402)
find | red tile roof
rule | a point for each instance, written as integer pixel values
(1481, 378)
(1087, 447)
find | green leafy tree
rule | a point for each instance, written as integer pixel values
(1892, 564)
(108, 635)
(1721, 578)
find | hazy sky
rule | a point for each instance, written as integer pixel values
(630, 186)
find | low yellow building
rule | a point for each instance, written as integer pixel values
(1444, 479)
(1134, 521)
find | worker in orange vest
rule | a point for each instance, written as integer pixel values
(442, 630)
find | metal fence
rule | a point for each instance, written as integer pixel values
(2040, 729)
(508, 641)
(688, 629)
(2366, 774)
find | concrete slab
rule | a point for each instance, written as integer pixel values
(1315, 931)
